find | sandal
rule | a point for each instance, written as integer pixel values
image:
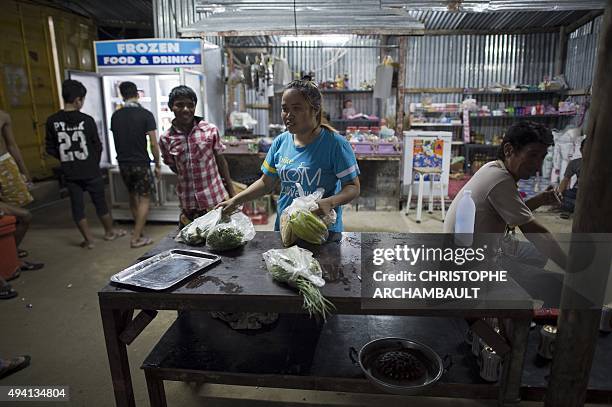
(115, 235)
(22, 253)
(30, 265)
(14, 365)
(6, 293)
(86, 244)
(143, 241)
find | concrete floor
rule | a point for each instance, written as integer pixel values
(55, 319)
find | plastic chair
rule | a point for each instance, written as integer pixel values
(433, 173)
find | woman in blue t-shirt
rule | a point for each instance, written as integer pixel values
(309, 153)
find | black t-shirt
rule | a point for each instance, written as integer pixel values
(72, 138)
(129, 126)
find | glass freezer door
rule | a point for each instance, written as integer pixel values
(196, 81)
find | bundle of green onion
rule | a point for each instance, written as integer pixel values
(314, 302)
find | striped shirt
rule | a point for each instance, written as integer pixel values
(199, 186)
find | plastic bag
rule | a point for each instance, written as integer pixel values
(196, 232)
(292, 224)
(293, 262)
(230, 233)
(296, 267)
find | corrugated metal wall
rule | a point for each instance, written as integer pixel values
(480, 61)
(28, 85)
(582, 54)
(170, 15)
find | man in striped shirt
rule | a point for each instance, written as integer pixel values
(192, 148)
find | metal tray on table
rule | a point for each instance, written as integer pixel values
(165, 269)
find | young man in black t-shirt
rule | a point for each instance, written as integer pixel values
(130, 126)
(72, 138)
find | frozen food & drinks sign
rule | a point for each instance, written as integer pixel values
(148, 52)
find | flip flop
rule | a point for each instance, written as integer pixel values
(6, 293)
(14, 365)
(115, 235)
(86, 244)
(30, 265)
(22, 253)
(143, 241)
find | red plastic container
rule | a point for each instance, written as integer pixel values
(8, 251)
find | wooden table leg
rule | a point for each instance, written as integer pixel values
(114, 322)
(512, 373)
(155, 387)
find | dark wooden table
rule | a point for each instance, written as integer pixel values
(241, 283)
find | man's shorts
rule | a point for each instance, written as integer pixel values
(13, 188)
(138, 179)
(77, 189)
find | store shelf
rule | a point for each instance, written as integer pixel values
(457, 143)
(346, 91)
(382, 157)
(435, 125)
(479, 145)
(511, 92)
(522, 116)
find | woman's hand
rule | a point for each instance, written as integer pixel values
(325, 207)
(229, 206)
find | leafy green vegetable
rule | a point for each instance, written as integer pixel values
(314, 302)
(224, 238)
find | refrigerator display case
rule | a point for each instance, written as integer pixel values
(154, 83)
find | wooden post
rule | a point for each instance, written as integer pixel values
(401, 84)
(561, 52)
(577, 326)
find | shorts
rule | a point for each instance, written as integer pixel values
(138, 179)
(95, 187)
(13, 188)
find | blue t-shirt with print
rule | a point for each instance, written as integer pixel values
(325, 163)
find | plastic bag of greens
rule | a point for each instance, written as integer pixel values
(296, 267)
(196, 232)
(230, 232)
(298, 221)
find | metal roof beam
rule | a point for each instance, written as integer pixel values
(582, 21)
(421, 5)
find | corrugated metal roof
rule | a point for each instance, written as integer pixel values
(508, 20)
(111, 12)
(423, 5)
(474, 15)
(281, 22)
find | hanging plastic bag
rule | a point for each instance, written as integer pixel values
(230, 233)
(298, 268)
(298, 221)
(196, 232)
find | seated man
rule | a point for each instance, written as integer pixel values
(499, 206)
(570, 194)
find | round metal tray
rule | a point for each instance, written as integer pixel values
(372, 350)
